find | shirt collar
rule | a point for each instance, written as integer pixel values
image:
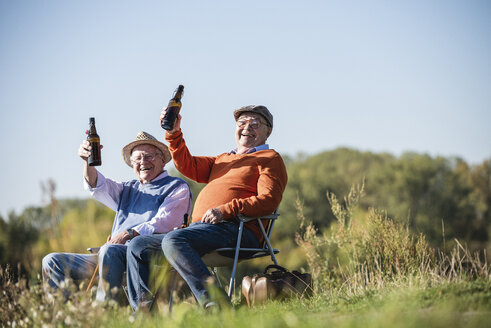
(160, 176)
(252, 150)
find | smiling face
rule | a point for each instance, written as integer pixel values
(251, 131)
(148, 162)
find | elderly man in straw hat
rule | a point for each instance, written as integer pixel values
(154, 203)
(248, 180)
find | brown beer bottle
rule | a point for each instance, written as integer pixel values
(95, 143)
(173, 109)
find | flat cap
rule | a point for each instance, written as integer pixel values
(258, 109)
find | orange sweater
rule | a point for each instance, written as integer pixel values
(250, 184)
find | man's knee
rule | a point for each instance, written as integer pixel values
(109, 252)
(47, 261)
(137, 247)
(53, 270)
(53, 261)
(171, 241)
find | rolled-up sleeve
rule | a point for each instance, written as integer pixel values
(107, 191)
(170, 214)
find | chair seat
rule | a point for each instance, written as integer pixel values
(225, 256)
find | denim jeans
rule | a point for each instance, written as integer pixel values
(57, 267)
(184, 248)
(142, 252)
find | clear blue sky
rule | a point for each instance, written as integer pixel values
(381, 76)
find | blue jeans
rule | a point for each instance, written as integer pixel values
(57, 267)
(184, 248)
(142, 252)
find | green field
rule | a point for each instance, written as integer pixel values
(405, 304)
(368, 271)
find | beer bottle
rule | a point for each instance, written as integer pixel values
(173, 109)
(95, 143)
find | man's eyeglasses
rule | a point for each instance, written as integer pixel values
(146, 157)
(254, 124)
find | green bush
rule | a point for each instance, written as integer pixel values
(366, 250)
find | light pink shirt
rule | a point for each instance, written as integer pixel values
(169, 215)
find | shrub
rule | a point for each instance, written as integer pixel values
(369, 250)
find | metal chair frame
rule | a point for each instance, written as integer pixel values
(220, 258)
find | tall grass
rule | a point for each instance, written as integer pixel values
(24, 305)
(369, 250)
(368, 269)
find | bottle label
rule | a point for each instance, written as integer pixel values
(173, 105)
(95, 156)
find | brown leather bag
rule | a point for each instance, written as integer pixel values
(278, 284)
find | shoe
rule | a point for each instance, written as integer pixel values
(212, 307)
(217, 297)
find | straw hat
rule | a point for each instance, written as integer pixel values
(144, 138)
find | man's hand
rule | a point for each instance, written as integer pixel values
(177, 124)
(120, 238)
(90, 172)
(212, 216)
(84, 150)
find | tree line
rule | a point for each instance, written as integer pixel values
(443, 198)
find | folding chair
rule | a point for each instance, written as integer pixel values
(231, 256)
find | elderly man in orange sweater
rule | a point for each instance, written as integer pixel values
(248, 180)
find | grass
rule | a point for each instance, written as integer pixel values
(369, 271)
(451, 304)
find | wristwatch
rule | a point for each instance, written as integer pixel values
(131, 232)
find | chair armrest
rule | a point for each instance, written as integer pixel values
(244, 218)
(93, 250)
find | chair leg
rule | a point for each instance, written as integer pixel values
(236, 260)
(91, 282)
(215, 273)
(273, 257)
(173, 288)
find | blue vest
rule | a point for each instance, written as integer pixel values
(139, 203)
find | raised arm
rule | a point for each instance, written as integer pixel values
(196, 168)
(90, 172)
